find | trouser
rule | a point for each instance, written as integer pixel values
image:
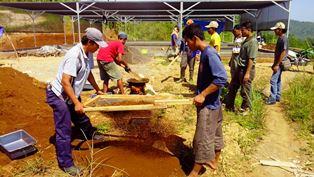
(185, 61)
(233, 65)
(275, 85)
(245, 91)
(63, 114)
(208, 136)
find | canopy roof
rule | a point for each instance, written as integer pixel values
(148, 10)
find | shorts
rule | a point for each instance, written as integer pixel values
(108, 71)
(208, 136)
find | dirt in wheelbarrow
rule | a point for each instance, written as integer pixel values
(23, 106)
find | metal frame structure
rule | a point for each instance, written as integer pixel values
(152, 10)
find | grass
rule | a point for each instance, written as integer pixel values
(34, 167)
(299, 106)
(253, 122)
(104, 127)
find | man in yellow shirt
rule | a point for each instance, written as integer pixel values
(215, 40)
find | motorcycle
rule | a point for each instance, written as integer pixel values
(297, 59)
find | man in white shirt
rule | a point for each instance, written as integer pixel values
(63, 96)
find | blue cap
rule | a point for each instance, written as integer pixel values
(122, 35)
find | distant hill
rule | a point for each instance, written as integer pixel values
(302, 30)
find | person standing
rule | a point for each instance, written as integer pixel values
(280, 54)
(108, 58)
(63, 96)
(238, 39)
(208, 138)
(175, 42)
(245, 71)
(215, 40)
(189, 59)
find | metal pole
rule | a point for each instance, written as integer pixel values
(64, 30)
(78, 21)
(288, 25)
(73, 32)
(181, 19)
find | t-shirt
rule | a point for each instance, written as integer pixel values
(211, 70)
(282, 44)
(248, 50)
(109, 53)
(75, 64)
(174, 39)
(215, 41)
(237, 45)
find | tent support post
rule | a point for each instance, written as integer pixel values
(64, 30)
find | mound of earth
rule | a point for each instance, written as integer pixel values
(22, 106)
(134, 56)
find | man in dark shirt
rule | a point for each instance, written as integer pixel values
(208, 139)
(245, 71)
(280, 54)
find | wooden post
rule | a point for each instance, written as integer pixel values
(16, 54)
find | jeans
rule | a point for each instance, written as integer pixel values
(275, 86)
(63, 114)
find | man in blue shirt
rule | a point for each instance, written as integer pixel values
(208, 139)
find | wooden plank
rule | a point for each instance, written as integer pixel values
(129, 96)
(177, 57)
(91, 100)
(126, 108)
(175, 101)
(278, 163)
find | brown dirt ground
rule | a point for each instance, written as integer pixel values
(23, 107)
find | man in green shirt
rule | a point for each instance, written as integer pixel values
(246, 70)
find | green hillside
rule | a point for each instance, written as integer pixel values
(302, 30)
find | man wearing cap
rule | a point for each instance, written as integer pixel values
(215, 40)
(280, 54)
(189, 59)
(63, 96)
(108, 58)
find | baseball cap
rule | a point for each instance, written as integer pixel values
(190, 21)
(212, 24)
(96, 36)
(122, 35)
(279, 25)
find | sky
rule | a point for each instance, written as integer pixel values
(302, 10)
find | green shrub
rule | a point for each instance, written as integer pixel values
(299, 101)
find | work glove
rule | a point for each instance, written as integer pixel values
(127, 69)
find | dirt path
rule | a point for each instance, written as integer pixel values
(280, 141)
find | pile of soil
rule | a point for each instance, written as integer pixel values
(22, 106)
(134, 56)
(26, 40)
